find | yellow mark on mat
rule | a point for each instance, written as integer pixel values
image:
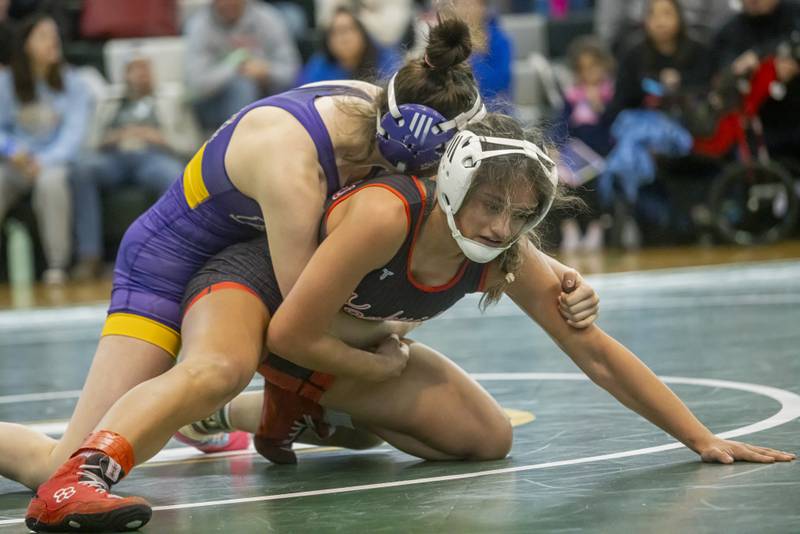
(519, 417)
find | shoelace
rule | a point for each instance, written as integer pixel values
(310, 423)
(297, 428)
(299, 425)
(207, 426)
(94, 480)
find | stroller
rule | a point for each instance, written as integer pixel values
(754, 199)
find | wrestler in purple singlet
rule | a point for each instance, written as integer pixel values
(197, 217)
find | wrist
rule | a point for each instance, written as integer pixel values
(372, 370)
(700, 441)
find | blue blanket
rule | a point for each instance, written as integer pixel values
(630, 165)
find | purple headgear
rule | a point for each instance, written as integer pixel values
(412, 137)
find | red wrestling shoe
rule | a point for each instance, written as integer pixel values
(77, 499)
(216, 442)
(284, 416)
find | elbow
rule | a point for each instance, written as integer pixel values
(593, 352)
(595, 365)
(287, 342)
(281, 340)
(599, 373)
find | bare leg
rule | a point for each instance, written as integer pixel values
(119, 364)
(24, 453)
(434, 410)
(245, 415)
(223, 337)
(245, 411)
(347, 438)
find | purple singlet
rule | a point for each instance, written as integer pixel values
(197, 217)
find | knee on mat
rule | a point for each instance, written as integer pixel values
(472, 439)
(494, 443)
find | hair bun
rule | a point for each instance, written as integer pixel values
(449, 44)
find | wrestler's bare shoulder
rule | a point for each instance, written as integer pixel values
(268, 141)
(370, 88)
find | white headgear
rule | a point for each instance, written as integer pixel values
(461, 161)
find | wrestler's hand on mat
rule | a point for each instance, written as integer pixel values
(391, 359)
(726, 452)
(578, 303)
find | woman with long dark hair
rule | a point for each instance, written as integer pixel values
(666, 61)
(652, 106)
(348, 52)
(44, 110)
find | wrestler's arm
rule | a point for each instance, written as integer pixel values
(578, 303)
(616, 369)
(272, 159)
(370, 227)
(287, 185)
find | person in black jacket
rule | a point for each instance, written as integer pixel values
(666, 62)
(666, 71)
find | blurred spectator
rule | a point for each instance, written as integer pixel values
(654, 75)
(44, 110)
(743, 42)
(299, 15)
(6, 34)
(557, 9)
(491, 52)
(348, 52)
(237, 51)
(619, 22)
(133, 150)
(390, 24)
(760, 26)
(587, 100)
(56, 9)
(585, 138)
(665, 62)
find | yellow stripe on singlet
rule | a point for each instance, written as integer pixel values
(138, 327)
(193, 185)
